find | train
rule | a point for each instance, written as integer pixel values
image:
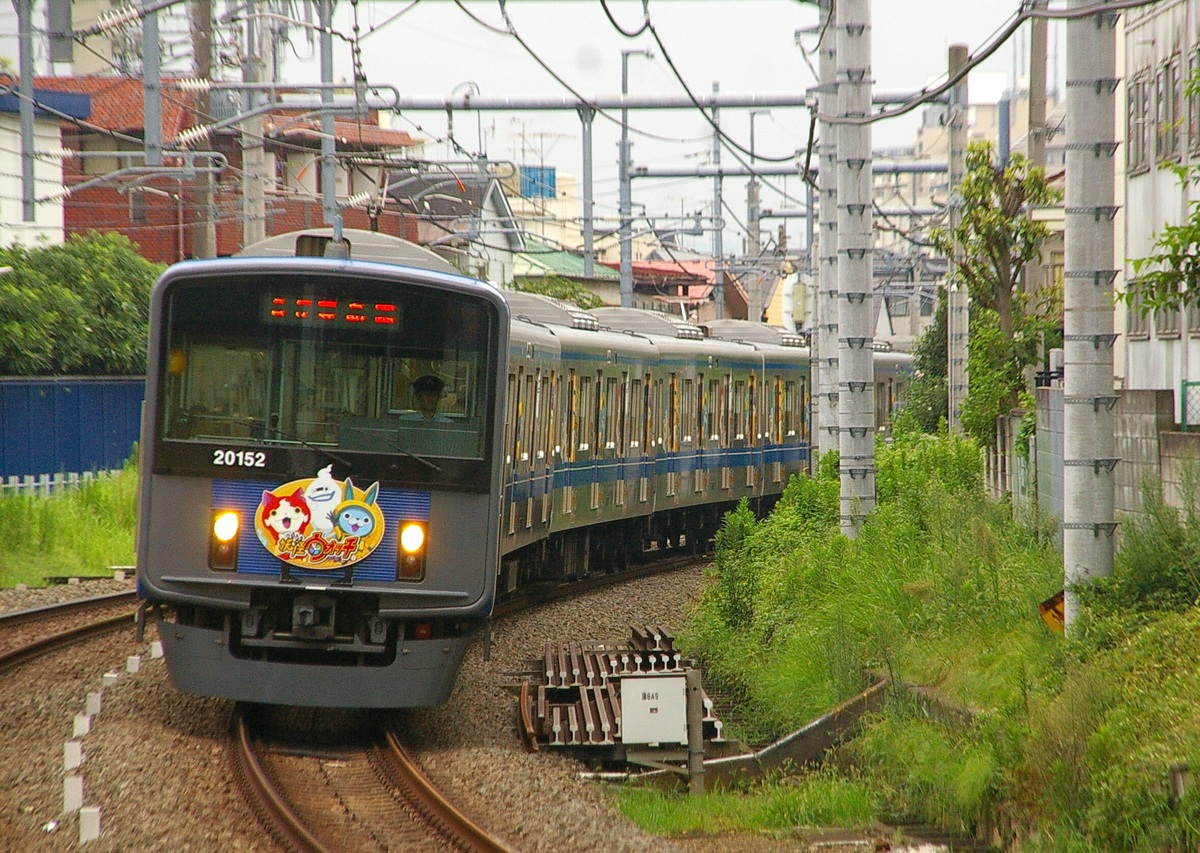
(347, 463)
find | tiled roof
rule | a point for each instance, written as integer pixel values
(542, 259)
(117, 102)
(350, 134)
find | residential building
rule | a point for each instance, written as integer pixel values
(46, 226)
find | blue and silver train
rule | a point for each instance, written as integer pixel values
(347, 463)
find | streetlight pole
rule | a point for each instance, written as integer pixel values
(626, 203)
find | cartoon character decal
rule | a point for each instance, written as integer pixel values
(281, 515)
(319, 523)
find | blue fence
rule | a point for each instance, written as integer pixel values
(55, 425)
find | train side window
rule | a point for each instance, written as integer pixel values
(512, 437)
(528, 416)
(805, 410)
(587, 414)
(571, 415)
(611, 412)
(737, 413)
(723, 418)
(640, 406)
(752, 400)
(791, 406)
(658, 416)
(648, 416)
(777, 410)
(711, 399)
(622, 410)
(689, 409)
(672, 413)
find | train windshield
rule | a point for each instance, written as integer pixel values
(351, 363)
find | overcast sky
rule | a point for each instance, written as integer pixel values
(437, 47)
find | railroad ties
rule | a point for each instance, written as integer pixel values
(577, 703)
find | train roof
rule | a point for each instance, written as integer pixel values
(752, 333)
(647, 323)
(548, 311)
(364, 246)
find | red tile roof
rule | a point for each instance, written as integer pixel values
(364, 134)
(117, 102)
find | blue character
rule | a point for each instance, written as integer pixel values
(354, 517)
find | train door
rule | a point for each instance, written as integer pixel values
(775, 428)
(725, 429)
(752, 444)
(570, 410)
(527, 417)
(671, 450)
(641, 396)
(589, 413)
(511, 450)
(550, 393)
(622, 438)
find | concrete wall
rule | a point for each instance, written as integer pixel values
(1140, 419)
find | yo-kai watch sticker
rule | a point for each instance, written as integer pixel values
(319, 522)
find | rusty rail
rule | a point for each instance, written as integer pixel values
(439, 811)
(273, 810)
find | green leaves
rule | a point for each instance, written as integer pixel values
(1166, 279)
(81, 307)
(996, 238)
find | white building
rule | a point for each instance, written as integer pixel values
(47, 223)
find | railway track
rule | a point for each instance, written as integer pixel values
(27, 634)
(348, 797)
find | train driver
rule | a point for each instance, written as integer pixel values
(427, 394)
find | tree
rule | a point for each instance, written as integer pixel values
(559, 288)
(77, 308)
(1166, 279)
(997, 238)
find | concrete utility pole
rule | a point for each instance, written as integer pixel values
(204, 235)
(718, 219)
(855, 274)
(825, 341)
(152, 89)
(25, 107)
(1089, 455)
(625, 211)
(753, 230)
(254, 214)
(958, 300)
(332, 216)
(586, 115)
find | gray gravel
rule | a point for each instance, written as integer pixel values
(155, 766)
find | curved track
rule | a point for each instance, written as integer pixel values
(27, 634)
(349, 798)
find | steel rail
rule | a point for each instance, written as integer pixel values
(439, 811)
(25, 653)
(272, 809)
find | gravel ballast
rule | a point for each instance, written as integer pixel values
(155, 765)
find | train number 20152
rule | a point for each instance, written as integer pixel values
(240, 458)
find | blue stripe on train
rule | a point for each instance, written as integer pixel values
(397, 505)
(610, 471)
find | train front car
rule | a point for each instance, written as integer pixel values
(320, 487)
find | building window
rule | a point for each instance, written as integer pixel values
(1138, 324)
(1193, 320)
(1166, 323)
(1138, 97)
(1193, 101)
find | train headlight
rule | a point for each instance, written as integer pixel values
(223, 545)
(410, 561)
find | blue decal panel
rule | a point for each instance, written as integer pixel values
(256, 557)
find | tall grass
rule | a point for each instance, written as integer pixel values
(78, 531)
(1071, 741)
